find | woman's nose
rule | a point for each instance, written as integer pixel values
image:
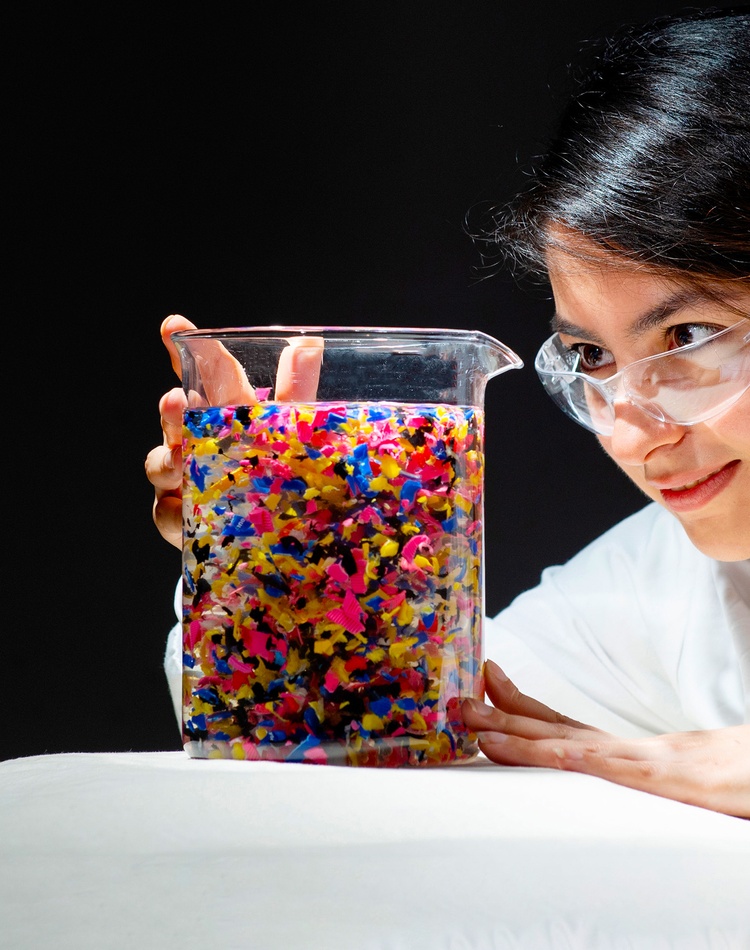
(636, 434)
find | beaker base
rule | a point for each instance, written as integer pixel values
(385, 753)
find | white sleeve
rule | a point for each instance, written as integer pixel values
(605, 638)
(173, 656)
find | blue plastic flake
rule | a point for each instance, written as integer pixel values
(263, 484)
(358, 484)
(378, 412)
(208, 694)
(198, 474)
(311, 720)
(295, 485)
(406, 703)
(381, 707)
(222, 666)
(334, 420)
(188, 660)
(360, 456)
(298, 754)
(188, 579)
(239, 527)
(409, 489)
(277, 735)
(439, 450)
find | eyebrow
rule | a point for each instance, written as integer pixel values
(654, 317)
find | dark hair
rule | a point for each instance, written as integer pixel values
(651, 160)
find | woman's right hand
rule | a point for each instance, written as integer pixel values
(225, 383)
(164, 462)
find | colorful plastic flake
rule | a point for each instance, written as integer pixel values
(332, 604)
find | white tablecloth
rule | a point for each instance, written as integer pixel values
(154, 850)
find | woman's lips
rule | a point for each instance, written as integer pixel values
(696, 494)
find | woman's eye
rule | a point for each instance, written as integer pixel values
(593, 358)
(686, 333)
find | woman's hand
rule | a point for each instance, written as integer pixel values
(709, 768)
(164, 463)
(225, 383)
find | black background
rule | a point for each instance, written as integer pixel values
(243, 164)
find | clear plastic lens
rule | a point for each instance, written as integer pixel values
(683, 386)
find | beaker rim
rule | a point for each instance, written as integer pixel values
(280, 330)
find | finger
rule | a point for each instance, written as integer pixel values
(678, 780)
(224, 380)
(163, 468)
(482, 718)
(505, 695)
(298, 372)
(630, 762)
(167, 514)
(172, 324)
(171, 409)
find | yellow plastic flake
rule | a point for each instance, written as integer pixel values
(389, 548)
(205, 447)
(398, 649)
(293, 662)
(264, 675)
(371, 722)
(424, 563)
(417, 723)
(465, 504)
(388, 466)
(237, 751)
(379, 483)
(405, 614)
(338, 666)
(324, 646)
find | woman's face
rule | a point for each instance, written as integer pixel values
(700, 473)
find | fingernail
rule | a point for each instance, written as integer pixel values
(481, 709)
(492, 738)
(174, 457)
(492, 667)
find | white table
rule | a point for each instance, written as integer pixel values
(152, 850)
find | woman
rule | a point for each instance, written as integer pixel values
(639, 218)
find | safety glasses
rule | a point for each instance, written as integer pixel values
(683, 386)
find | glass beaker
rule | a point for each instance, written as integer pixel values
(333, 510)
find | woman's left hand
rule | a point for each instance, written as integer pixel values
(710, 768)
